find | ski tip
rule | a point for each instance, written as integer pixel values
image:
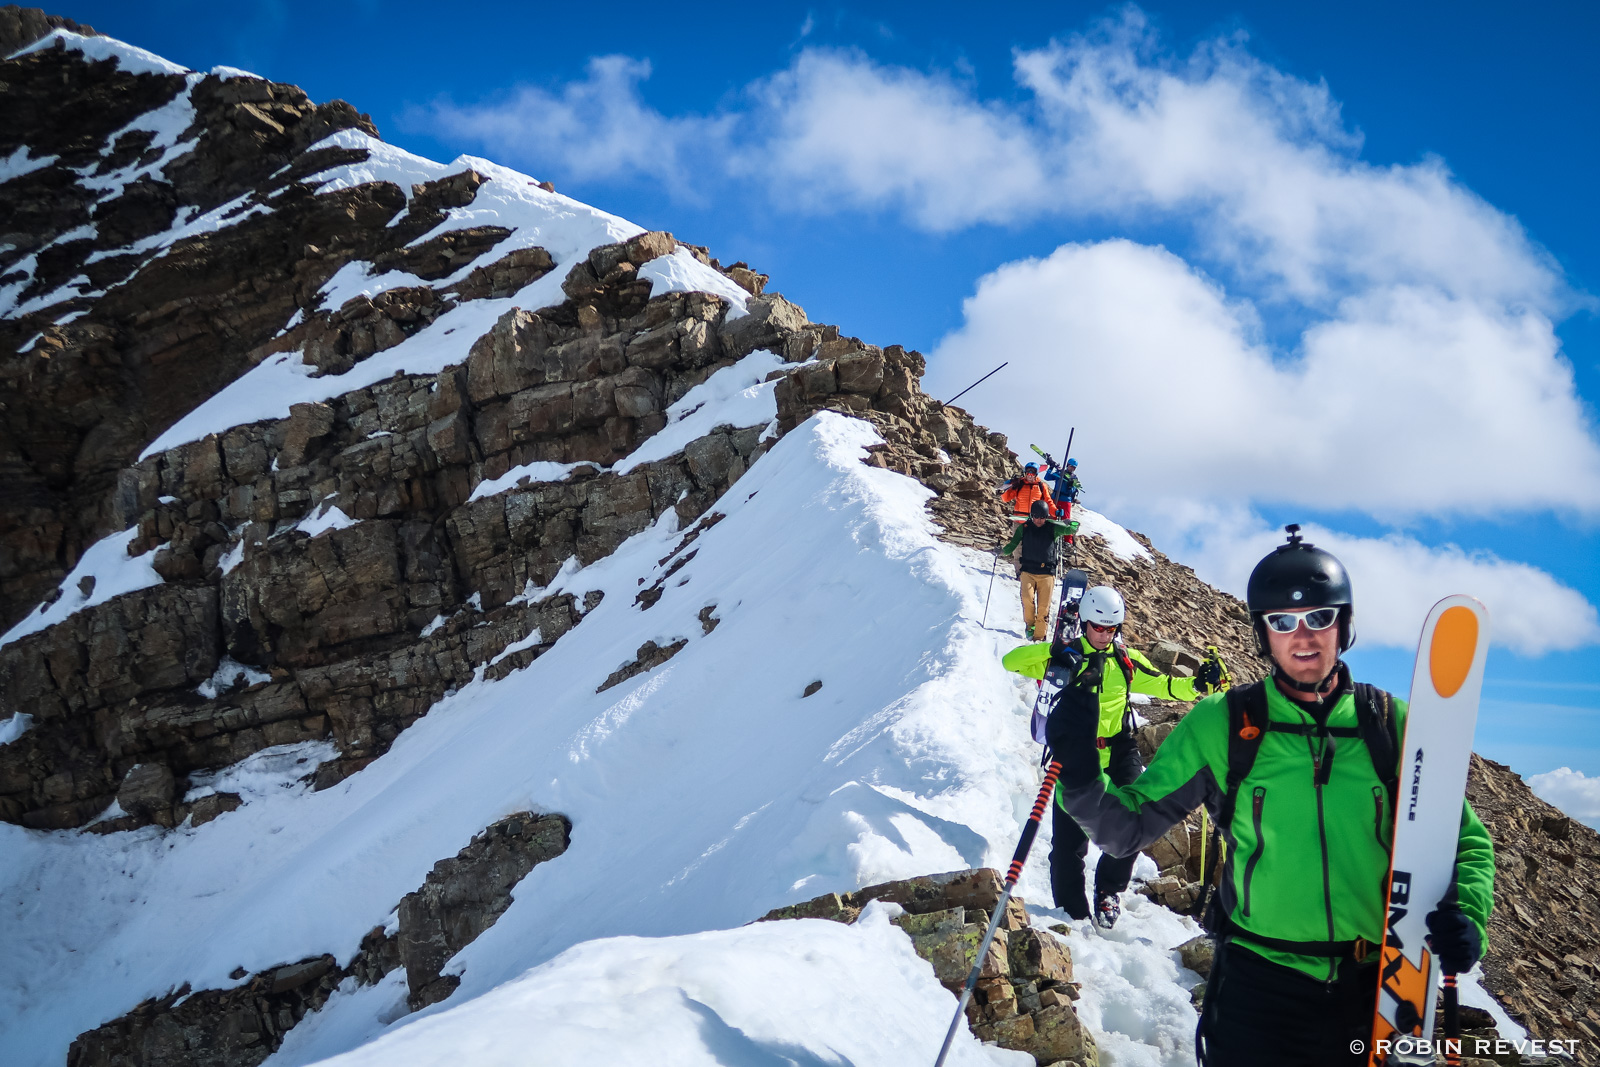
(1459, 628)
(1454, 646)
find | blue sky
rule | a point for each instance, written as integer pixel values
(1344, 235)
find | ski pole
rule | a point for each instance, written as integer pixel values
(975, 384)
(1030, 830)
(985, 623)
(1452, 1022)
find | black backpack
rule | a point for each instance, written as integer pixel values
(1248, 724)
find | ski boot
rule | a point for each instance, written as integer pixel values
(1107, 910)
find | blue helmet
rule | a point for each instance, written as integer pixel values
(1032, 468)
(1072, 463)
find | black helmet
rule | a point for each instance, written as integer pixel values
(1040, 510)
(1295, 575)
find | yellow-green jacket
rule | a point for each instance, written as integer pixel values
(1117, 670)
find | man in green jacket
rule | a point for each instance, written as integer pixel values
(1300, 908)
(1098, 662)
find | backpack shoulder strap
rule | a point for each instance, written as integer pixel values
(1247, 725)
(1379, 728)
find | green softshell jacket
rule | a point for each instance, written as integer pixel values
(1299, 867)
(1058, 530)
(1031, 661)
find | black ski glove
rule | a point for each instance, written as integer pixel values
(1454, 938)
(1071, 732)
(1208, 678)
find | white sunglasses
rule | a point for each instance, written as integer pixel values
(1286, 622)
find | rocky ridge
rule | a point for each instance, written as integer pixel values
(353, 633)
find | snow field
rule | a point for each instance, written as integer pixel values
(806, 992)
(703, 793)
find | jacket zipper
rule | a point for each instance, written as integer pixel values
(1377, 816)
(1258, 799)
(1322, 835)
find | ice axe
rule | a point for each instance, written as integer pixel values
(1030, 830)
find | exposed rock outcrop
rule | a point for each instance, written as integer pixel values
(1023, 999)
(22, 26)
(243, 1025)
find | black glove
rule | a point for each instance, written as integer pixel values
(1208, 679)
(1071, 731)
(1454, 938)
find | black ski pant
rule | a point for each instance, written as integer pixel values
(1262, 1014)
(1069, 844)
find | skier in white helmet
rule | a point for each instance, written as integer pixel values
(1099, 662)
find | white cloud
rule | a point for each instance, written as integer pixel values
(1259, 164)
(837, 130)
(1264, 165)
(599, 127)
(1571, 791)
(1396, 579)
(1405, 402)
(1427, 381)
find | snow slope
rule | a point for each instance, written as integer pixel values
(702, 794)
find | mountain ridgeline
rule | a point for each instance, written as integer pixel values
(300, 434)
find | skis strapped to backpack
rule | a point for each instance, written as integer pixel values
(1067, 629)
(1440, 719)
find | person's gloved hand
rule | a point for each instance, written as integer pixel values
(1208, 679)
(1454, 938)
(1070, 732)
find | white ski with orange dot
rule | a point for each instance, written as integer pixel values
(1434, 755)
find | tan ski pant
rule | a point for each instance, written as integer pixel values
(1036, 592)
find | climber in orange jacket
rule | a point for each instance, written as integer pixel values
(1021, 492)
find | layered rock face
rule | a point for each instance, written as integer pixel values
(421, 583)
(115, 216)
